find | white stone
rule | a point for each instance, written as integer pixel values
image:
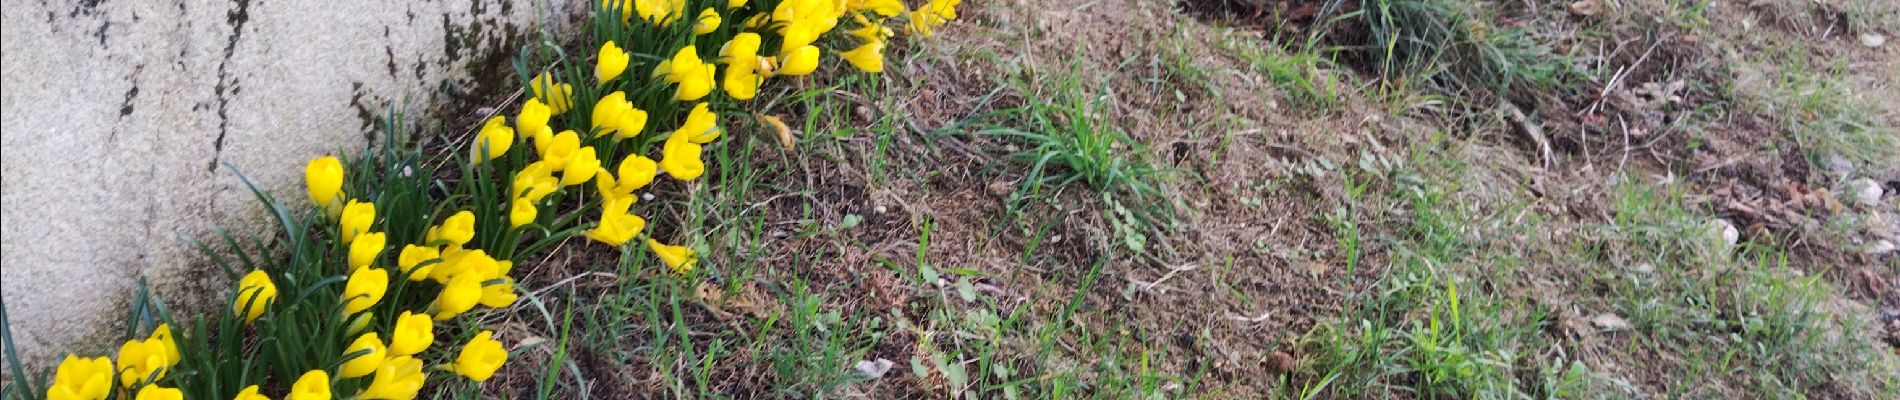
(120, 116)
(1864, 192)
(1872, 40)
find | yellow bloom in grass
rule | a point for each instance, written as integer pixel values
(557, 96)
(255, 293)
(580, 167)
(364, 289)
(801, 61)
(365, 354)
(533, 117)
(521, 212)
(679, 157)
(481, 357)
(324, 177)
(741, 55)
(617, 227)
(458, 296)
(535, 182)
(458, 229)
(870, 31)
(609, 190)
(365, 248)
(492, 141)
(557, 149)
(611, 63)
(608, 111)
(153, 392)
(411, 259)
(868, 57)
(458, 262)
(636, 171)
(313, 385)
(660, 12)
(678, 258)
(881, 7)
(701, 127)
(708, 21)
(695, 78)
(413, 334)
(250, 393)
(356, 219)
(398, 378)
(148, 360)
(731, 4)
(81, 379)
(930, 15)
(499, 295)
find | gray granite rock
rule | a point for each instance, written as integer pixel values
(119, 116)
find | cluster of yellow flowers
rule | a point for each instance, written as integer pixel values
(606, 140)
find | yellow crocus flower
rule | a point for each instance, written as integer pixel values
(149, 359)
(741, 56)
(869, 31)
(356, 219)
(521, 212)
(313, 385)
(612, 61)
(365, 248)
(413, 334)
(411, 259)
(632, 121)
(458, 296)
(678, 258)
(607, 111)
(604, 183)
(458, 229)
(731, 4)
(679, 157)
(702, 125)
(249, 393)
(801, 61)
(557, 96)
(499, 295)
(398, 378)
(365, 363)
(708, 21)
(868, 57)
(617, 227)
(492, 141)
(153, 392)
(580, 167)
(324, 179)
(533, 117)
(695, 78)
(481, 357)
(557, 149)
(636, 171)
(534, 182)
(255, 294)
(930, 15)
(364, 289)
(81, 379)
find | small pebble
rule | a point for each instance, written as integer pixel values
(1872, 40)
(1864, 192)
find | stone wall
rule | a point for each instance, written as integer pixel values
(120, 116)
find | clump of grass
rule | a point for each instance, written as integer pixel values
(1071, 141)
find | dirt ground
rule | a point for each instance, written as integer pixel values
(1253, 257)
